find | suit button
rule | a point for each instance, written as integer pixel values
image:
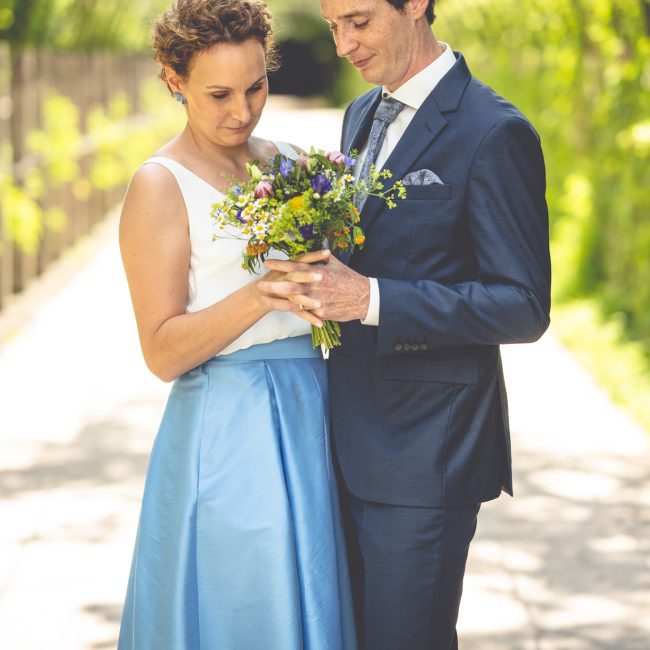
(397, 347)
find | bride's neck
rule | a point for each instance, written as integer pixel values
(211, 152)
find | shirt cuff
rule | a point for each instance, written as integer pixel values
(372, 317)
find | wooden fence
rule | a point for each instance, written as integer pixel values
(89, 80)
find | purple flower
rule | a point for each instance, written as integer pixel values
(239, 217)
(350, 162)
(320, 184)
(307, 231)
(286, 166)
(237, 190)
(263, 189)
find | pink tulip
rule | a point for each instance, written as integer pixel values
(336, 157)
(303, 161)
(263, 189)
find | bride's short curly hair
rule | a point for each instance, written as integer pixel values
(193, 26)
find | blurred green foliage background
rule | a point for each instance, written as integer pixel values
(579, 69)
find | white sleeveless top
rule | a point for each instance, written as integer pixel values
(215, 266)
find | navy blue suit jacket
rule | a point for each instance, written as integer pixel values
(419, 411)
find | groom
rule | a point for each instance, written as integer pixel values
(419, 414)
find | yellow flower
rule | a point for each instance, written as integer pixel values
(298, 203)
(359, 239)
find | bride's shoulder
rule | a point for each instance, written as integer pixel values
(152, 177)
(153, 189)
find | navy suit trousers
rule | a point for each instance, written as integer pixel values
(407, 566)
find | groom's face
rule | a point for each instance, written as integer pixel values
(374, 36)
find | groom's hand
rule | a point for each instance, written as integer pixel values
(268, 284)
(320, 283)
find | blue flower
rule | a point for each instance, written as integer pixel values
(239, 217)
(320, 184)
(307, 231)
(350, 162)
(237, 190)
(286, 166)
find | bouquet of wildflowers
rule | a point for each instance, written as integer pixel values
(299, 206)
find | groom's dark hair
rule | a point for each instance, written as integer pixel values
(431, 16)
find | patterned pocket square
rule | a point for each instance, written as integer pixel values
(422, 177)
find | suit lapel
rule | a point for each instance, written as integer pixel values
(420, 134)
(360, 132)
(426, 125)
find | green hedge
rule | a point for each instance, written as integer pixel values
(116, 141)
(75, 25)
(580, 70)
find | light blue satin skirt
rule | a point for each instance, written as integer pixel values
(239, 544)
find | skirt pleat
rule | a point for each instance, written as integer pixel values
(239, 545)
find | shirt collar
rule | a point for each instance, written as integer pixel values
(414, 91)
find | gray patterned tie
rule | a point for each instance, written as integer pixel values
(385, 114)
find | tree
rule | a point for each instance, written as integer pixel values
(580, 70)
(79, 25)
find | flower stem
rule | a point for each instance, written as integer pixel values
(329, 335)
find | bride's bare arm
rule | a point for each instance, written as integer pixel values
(155, 246)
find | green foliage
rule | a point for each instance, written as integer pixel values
(617, 364)
(59, 142)
(116, 142)
(580, 70)
(79, 24)
(22, 216)
(295, 19)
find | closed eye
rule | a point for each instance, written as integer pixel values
(252, 89)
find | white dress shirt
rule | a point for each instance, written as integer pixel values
(412, 94)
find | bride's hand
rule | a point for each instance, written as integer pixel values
(296, 304)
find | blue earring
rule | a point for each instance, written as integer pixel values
(179, 98)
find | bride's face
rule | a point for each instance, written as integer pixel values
(226, 92)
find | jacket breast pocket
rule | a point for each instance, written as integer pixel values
(433, 192)
(458, 370)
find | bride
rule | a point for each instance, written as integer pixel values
(239, 544)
